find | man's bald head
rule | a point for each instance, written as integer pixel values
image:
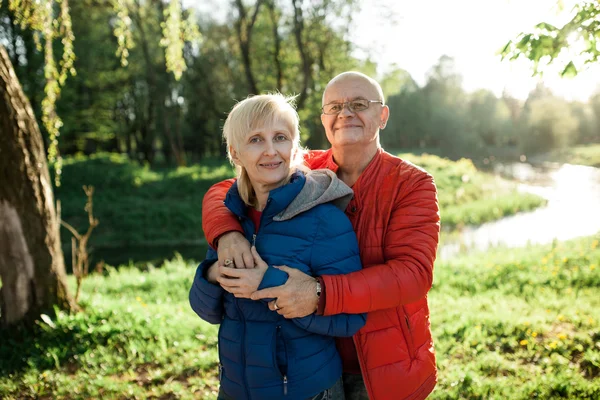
(354, 75)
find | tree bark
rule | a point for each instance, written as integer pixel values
(32, 269)
(304, 56)
(244, 29)
(277, 40)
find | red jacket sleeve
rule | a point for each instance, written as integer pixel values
(410, 245)
(216, 218)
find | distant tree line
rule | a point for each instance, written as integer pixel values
(292, 46)
(443, 117)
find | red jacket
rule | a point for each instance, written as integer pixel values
(395, 216)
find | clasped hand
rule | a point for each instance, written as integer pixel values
(296, 298)
(242, 282)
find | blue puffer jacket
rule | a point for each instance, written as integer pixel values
(263, 355)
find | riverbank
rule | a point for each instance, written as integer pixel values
(573, 195)
(516, 324)
(579, 155)
(147, 214)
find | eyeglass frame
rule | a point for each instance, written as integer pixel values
(346, 104)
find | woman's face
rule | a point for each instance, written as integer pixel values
(265, 153)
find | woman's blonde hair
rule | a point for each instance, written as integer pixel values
(253, 113)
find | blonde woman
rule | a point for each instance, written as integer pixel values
(292, 218)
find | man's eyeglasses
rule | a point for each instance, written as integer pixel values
(353, 106)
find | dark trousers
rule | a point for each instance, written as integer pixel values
(336, 392)
(354, 387)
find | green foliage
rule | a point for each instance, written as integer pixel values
(550, 44)
(51, 24)
(516, 324)
(122, 31)
(441, 115)
(135, 204)
(87, 103)
(548, 123)
(579, 155)
(519, 324)
(175, 32)
(51, 19)
(136, 338)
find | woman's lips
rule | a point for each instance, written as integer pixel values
(271, 165)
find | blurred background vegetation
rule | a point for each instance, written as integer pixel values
(143, 111)
(151, 144)
(507, 324)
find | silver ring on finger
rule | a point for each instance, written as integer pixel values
(228, 262)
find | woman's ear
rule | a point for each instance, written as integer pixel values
(234, 155)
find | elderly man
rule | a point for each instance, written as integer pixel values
(395, 215)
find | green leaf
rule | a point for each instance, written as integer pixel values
(570, 71)
(506, 49)
(524, 41)
(546, 26)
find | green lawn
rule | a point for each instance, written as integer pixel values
(519, 324)
(516, 324)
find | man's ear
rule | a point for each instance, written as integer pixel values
(385, 115)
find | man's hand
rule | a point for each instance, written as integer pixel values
(296, 298)
(243, 282)
(234, 251)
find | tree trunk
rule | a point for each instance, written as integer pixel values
(277, 40)
(244, 31)
(32, 269)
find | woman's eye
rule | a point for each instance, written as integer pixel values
(254, 139)
(280, 138)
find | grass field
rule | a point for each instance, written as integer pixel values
(516, 324)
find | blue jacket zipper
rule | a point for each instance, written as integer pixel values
(243, 347)
(285, 378)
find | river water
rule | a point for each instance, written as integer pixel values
(573, 210)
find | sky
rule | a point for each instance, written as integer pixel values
(414, 34)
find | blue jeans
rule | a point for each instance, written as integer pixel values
(336, 392)
(354, 387)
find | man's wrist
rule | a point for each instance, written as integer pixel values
(321, 303)
(223, 235)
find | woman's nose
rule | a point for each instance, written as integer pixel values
(269, 149)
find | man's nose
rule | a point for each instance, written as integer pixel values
(346, 112)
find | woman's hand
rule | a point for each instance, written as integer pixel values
(234, 251)
(212, 274)
(243, 282)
